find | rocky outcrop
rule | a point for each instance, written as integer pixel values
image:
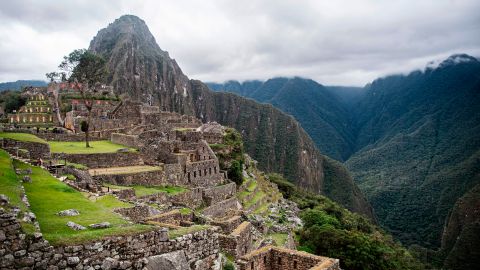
(140, 69)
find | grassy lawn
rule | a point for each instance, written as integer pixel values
(124, 170)
(144, 190)
(79, 147)
(10, 184)
(48, 196)
(280, 238)
(24, 137)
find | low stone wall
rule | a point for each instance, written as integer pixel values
(152, 178)
(125, 139)
(102, 160)
(19, 251)
(36, 150)
(239, 242)
(222, 208)
(173, 217)
(272, 258)
(63, 137)
(219, 193)
(229, 224)
(138, 213)
(192, 198)
(125, 194)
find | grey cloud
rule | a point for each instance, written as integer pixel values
(333, 42)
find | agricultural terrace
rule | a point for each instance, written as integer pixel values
(96, 147)
(48, 196)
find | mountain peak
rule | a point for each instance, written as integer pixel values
(452, 60)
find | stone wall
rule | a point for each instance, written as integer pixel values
(223, 208)
(229, 224)
(138, 213)
(272, 258)
(174, 217)
(20, 251)
(152, 178)
(63, 137)
(36, 150)
(128, 140)
(192, 198)
(219, 193)
(239, 242)
(102, 160)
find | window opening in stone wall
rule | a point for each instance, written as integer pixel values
(194, 174)
(210, 170)
(265, 260)
(294, 264)
(252, 265)
(279, 261)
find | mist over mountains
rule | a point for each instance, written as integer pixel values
(411, 141)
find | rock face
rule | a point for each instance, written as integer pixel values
(170, 261)
(139, 69)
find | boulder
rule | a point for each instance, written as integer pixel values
(27, 179)
(102, 225)
(4, 199)
(75, 226)
(169, 261)
(69, 212)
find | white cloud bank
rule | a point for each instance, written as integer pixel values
(332, 42)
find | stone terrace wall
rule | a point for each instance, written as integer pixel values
(229, 224)
(152, 178)
(222, 208)
(36, 150)
(192, 198)
(239, 242)
(128, 140)
(272, 258)
(63, 137)
(173, 217)
(138, 213)
(103, 160)
(219, 193)
(19, 251)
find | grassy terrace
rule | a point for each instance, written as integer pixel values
(24, 137)
(48, 196)
(124, 170)
(97, 147)
(144, 190)
(186, 230)
(10, 184)
(280, 238)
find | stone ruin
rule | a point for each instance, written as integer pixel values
(177, 148)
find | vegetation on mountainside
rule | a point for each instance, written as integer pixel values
(231, 155)
(331, 230)
(20, 84)
(79, 147)
(48, 196)
(11, 100)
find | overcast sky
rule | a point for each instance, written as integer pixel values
(332, 42)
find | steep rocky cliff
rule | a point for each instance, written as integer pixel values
(140, 69)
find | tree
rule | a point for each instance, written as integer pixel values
(84, 70)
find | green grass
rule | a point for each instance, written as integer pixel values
(24, 137)
(186, 230)
(185, 211)
(280, 238)
(258, 196)
(10, 184)
(48, 196)
(79, 147)
(149, 190)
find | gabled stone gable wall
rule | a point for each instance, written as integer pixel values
(219, 193)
